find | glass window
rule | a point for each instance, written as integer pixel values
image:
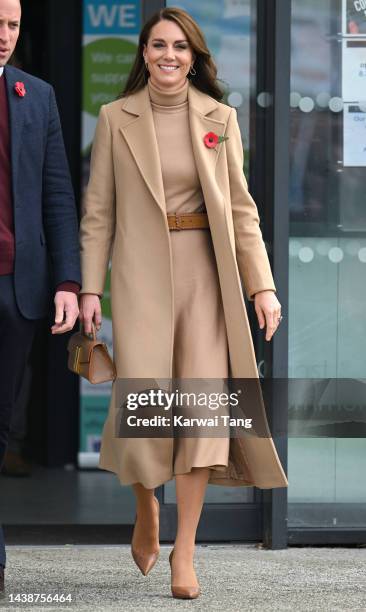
(327, 251)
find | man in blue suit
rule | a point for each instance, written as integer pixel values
(39, 253)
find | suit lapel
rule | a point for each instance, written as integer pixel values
(17, 106)
(141, 138)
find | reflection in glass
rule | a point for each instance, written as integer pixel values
(327, 258)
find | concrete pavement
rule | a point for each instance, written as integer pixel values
(232, 578)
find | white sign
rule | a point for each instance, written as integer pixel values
(354, 70)
(354, 136)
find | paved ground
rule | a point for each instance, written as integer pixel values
(233, 578)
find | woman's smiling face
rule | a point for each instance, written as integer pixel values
(168, 54)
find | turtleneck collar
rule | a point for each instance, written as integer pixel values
(165, 97)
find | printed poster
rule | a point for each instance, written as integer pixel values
(354, 17)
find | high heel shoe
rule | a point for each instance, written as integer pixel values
(144, 561)
(183, 592)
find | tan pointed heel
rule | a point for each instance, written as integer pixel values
(183, 592)
(145, 562)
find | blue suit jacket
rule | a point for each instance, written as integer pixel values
(45, 218)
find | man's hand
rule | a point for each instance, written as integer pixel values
(67, 310)
(90, 310)
(268, 311)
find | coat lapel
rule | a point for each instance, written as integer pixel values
(200, 121)
(17, 108)
(141, 138)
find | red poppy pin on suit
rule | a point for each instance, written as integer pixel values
(211, 140)
(19, 89)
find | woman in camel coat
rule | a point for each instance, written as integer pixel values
(125, 219)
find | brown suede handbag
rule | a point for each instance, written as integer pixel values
(89, 357)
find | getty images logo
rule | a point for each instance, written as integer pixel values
(111, 17)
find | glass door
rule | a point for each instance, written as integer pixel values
(327, 262)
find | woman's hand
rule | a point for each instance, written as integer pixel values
(268, 311)
(90, 310)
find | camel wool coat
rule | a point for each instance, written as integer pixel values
(124, 218)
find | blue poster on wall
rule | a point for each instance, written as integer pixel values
(112, 17)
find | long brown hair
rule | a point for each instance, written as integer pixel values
(205, 78)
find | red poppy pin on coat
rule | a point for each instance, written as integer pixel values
(211, 139)
(19, 89)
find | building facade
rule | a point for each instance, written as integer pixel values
(295, 70)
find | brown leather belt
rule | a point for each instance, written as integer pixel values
(188, 221)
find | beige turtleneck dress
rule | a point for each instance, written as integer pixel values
(200, 339)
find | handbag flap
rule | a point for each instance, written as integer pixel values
(84, 344)
(101, 365)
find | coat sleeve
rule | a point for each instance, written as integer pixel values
(58, 203)
(251, 254)
(97, 224)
